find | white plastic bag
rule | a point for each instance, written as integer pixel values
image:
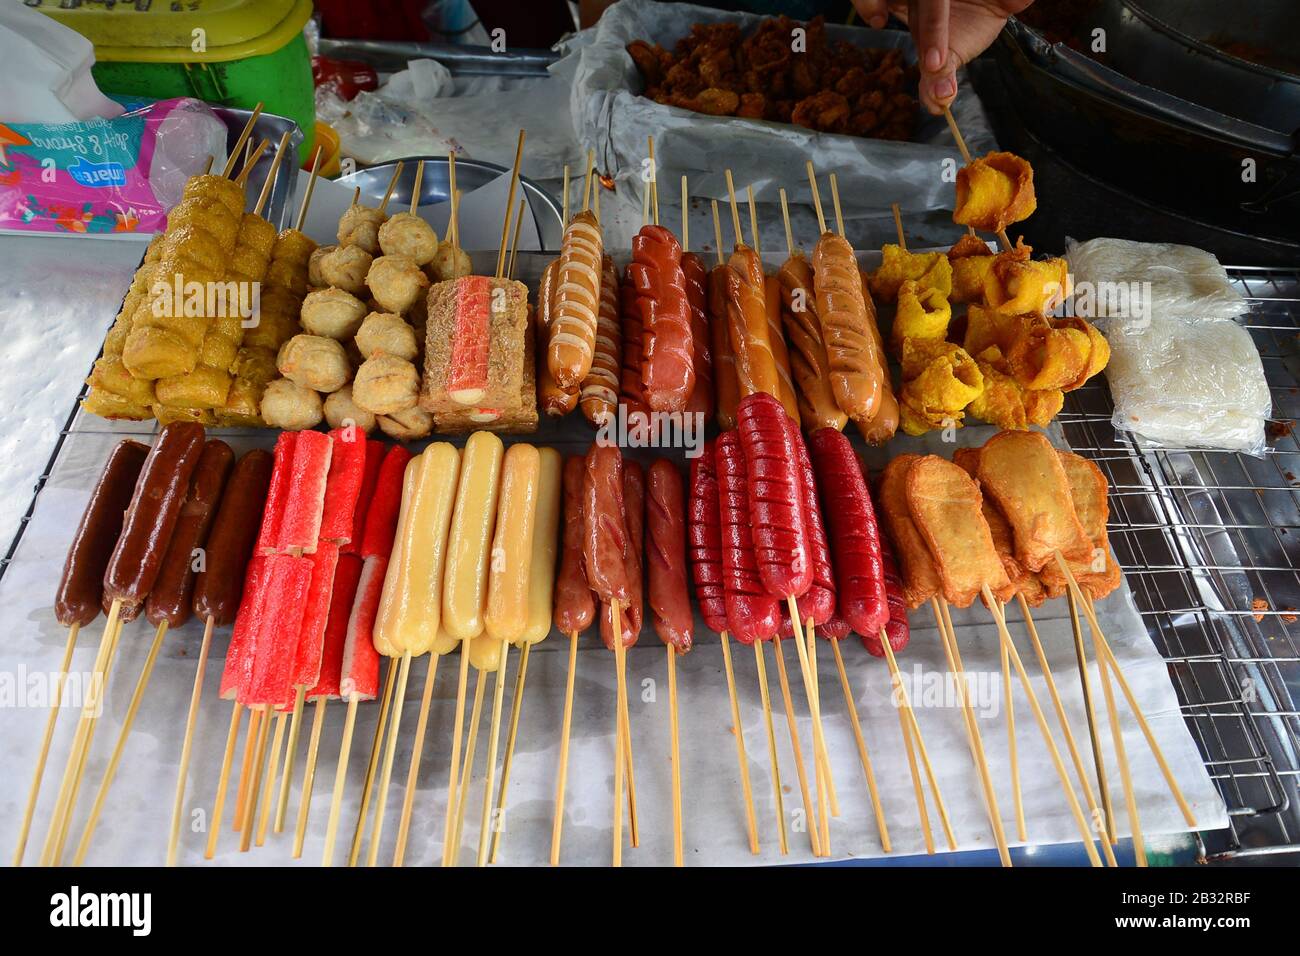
(1136, 280)
(1187, 383)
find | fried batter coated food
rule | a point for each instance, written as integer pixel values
(994, 191)
(831, 87)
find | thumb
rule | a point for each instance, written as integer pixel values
(939, 89)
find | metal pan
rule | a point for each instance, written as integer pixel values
(268, 127)
(470, 175)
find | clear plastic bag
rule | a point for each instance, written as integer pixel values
(1119, 278)
(1182, 383)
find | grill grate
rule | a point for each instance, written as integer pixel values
(1210, 544)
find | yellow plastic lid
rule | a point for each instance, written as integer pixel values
(169, 33)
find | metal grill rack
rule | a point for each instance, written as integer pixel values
(1210, 544)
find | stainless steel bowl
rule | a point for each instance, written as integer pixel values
(470, 175)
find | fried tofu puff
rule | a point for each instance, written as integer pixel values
(939, 380)
(921, 314)
(994, 191)
(929, 270)
(971, 260)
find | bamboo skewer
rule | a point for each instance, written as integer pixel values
(277, 741)
(827, 801)
(457, 729)
(751, 825)
(835, 202)
(817, 199)
(246, 769)
(390, 751)
(915, 729)
(295, 725)
(564, 214)
(413, 770)
(966, 157)
(246, 835)
(1085, 685)
(178, 804)
(309, 777)
(634, 833)
(917, 787)
(415, 188)
(810, 630)
(239, 143)
(66, 801)
(621, 693)
(134, 706)
(717, 231)
(516, 706)
(392, 184)
(453, 225)
(311, 188)
(820, 763)
(385, 705)
(467, 768)
(1121, 757)
(1009, 704)
(953, 656)
(810, 809)
(586, 183)
(735, 210)
(494, 739)
(223, 781)
(785, 218)
(1103, 647)
(654, 183)
(675, 757)
(898, 226)
(250, 161)
(1061, 719)
(566, 725)
(996, 610)
(686, 218)
(510, 203)
(39, 774)
(771, 746)
(863, 756)
(514, 242)
(753, 220)
(340, 778)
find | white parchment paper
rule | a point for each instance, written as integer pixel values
(133, 830)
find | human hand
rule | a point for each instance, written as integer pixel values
(948, 34)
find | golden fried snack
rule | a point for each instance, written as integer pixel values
(987, 328)
(939, 380)
(921, 314)
(396, 282)
(808, 362)
(971, 260)
(1004, 542)
(387, 333)
(994, 191)
(945, 504)
(290, 406)
(1045, 357)
(1024, 475)
(929, 270)
(386, 385)
(314, 362)
(883, 425)
(341, 411)
(1098, 352)
(333, 313)
(205, 387)
(109, 375)
(1019, 284)
(1099, 574)
(920, 577)
(346, 268)
(406, 234)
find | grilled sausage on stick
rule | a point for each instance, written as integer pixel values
(667, 359)
(850, 348)
(577, 299)
(598, 397)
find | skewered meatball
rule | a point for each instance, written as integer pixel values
(410, 425)
(314, 362)
(345, 268)
(290, 406)
(406, 234)
(449, 262)
(359, 226)
(341, 411)
(332, 313)
(396, 282)
(314, 277)
(386, 333)
(386, 384)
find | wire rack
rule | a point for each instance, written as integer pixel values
(1210, 545)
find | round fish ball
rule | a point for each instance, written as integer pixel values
(406, 234)
(314, 277)
(387, 333)
(314, 362)
(333, 313)
(341, 411)
(396, 282)
(290, 406)
(359, 226)
(345, 268)
(410, 425)
(386, 384)
(449, 262)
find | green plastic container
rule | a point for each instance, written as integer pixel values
(227, 52)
